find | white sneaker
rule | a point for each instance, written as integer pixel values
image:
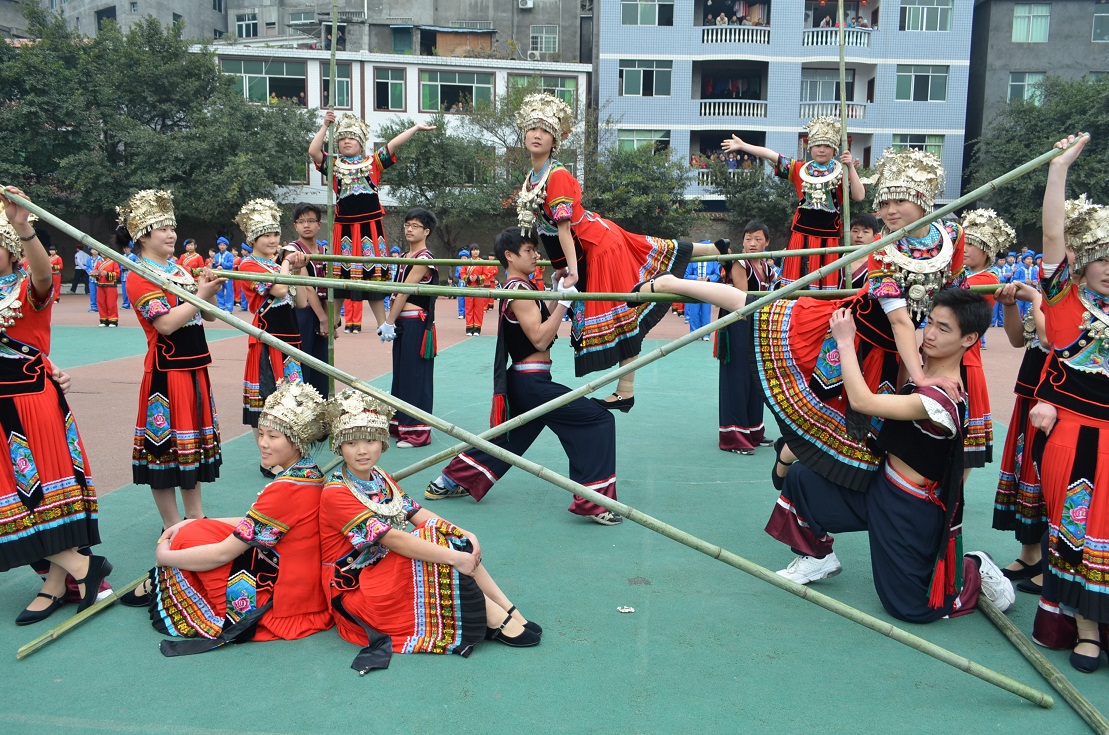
(805, 569)
(405, 445)
(995, 586)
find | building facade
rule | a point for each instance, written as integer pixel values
(379, 88)
(675, 74)
(1016, 44)
(200, 19)
(535, 30)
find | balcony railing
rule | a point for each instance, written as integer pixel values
(705, 175)
(736, 34)
(733, 108)
(855, 111)
(853, 37)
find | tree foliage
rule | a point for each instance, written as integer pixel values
(756, 195)
(642, 190)
(1024, 130)
(91, 121)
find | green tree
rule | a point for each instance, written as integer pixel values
(756, 195)
(642, 190)
(123, 112)
(452, 174)
(1025, 129)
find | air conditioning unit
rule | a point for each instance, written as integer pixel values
(527, 4)
(533, 55)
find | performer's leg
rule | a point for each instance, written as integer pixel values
(719, 294)
(190, 498)
(810, 509)
(102, 305)
(587, 433)
(112, 302)
(166, 501)
(91, 288)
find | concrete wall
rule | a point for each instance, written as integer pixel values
(200, 20)
(12, 22)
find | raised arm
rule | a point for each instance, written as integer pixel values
(735, 143)
(38, 261)
(1055, 196)
(405, 135)
(858, 191)
(315, 148)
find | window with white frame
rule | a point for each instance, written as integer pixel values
(921, 83)
(342, 86)
(246, 25)
(454, 91)
(544, 39)
(647, 12)
(926, 15)
(389, 89)
(264, 81)
(1025, 85)
(822, 85)
(1031, 22)
(920, 141)
(301, 18)
(629, 140)
(565, 88)
(645, 78)
(1100, 33)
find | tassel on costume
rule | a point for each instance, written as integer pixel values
(499, 413)
(722, 346)
(429, 347)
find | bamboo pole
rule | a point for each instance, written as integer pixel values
(846, 181)
(391, 287)
(59, 630)
(1054, 677)
(716, 552)
(332, 245)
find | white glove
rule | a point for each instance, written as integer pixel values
(565, 289)
(387, 332)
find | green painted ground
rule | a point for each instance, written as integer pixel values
(708, 649)
(72, 347)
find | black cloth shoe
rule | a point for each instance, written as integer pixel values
(1085, 664)
(1026, 571)
(27, 617)
(621, 404)
(99, 569)
(723, 246)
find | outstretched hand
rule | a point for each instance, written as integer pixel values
(733, 144)
(423, 127)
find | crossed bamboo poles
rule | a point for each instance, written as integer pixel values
(482, 441)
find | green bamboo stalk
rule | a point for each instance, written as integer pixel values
(497, 293)
(59, 630)
(332, 84)
(1085, 709)
(846, 182)
(941, 654)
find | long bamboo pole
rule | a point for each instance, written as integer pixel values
(332, 245)
(1085, 709)
(846, 180)
(392, 287)
(716, 552)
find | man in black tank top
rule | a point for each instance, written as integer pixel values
(587, 432)
(912, 509)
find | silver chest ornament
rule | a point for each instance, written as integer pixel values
(815, 188)
(919, 279)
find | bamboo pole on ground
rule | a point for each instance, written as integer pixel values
(716, 552)
(1054, 677)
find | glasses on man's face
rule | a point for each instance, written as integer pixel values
(306, 222)
(414, 226)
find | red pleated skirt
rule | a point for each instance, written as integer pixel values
(183, 426)
(793, 268)
(978, 437)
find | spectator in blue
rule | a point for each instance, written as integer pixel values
(1026, 272)
(1010, 266)
(699, 313)
(90, 265)
(465, 255)
(998, 268)
(130, 255)
(224, 260)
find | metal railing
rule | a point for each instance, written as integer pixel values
(852, 37)
(736, 34)
(733, 108)
(808, 110)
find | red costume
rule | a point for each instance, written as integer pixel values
(56, 273)
(477, 276)
(265, 366)
(817, 221)
(978, 437)
(107, 291)
(192, 262)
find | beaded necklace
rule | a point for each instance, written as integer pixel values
(391, 511)
(10, 305)
(174, 273)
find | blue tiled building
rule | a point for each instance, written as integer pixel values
(671, 75)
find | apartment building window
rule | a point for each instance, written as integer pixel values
(402, 40)
(916, 83)
(178, 19)
(629, 140)
(1031, 22)
(454, 91)
(926, 15)
(1024, 85)
(565, 88)
(260, 81)
(134, 7)
(217, 33)
(217, 5)
(1101, 22)
(645, 78)
(342, 85)
(301, 18)
(822, 85)
(544, 39)
(389, 89)
(930, 143)
(647, 12)
(246, 25)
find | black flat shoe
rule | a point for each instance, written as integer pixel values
(27, 617)
(524, 640)
(621, 404)
(1027, 585)
(99, 569)
(639, 287)
(723, 246)
(134, 598)
(1026, 571)
(778, 481)
(1086, 664)
(529, 625)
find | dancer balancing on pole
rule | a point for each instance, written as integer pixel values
(585, 247)
(359, 226)
(818, 220)
(48, 506)
(797, 357)
(272, 304)
(986, 235)
(391, 589)
(1074, 468)
(231, 580)
(177, 440)
(527, 330)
